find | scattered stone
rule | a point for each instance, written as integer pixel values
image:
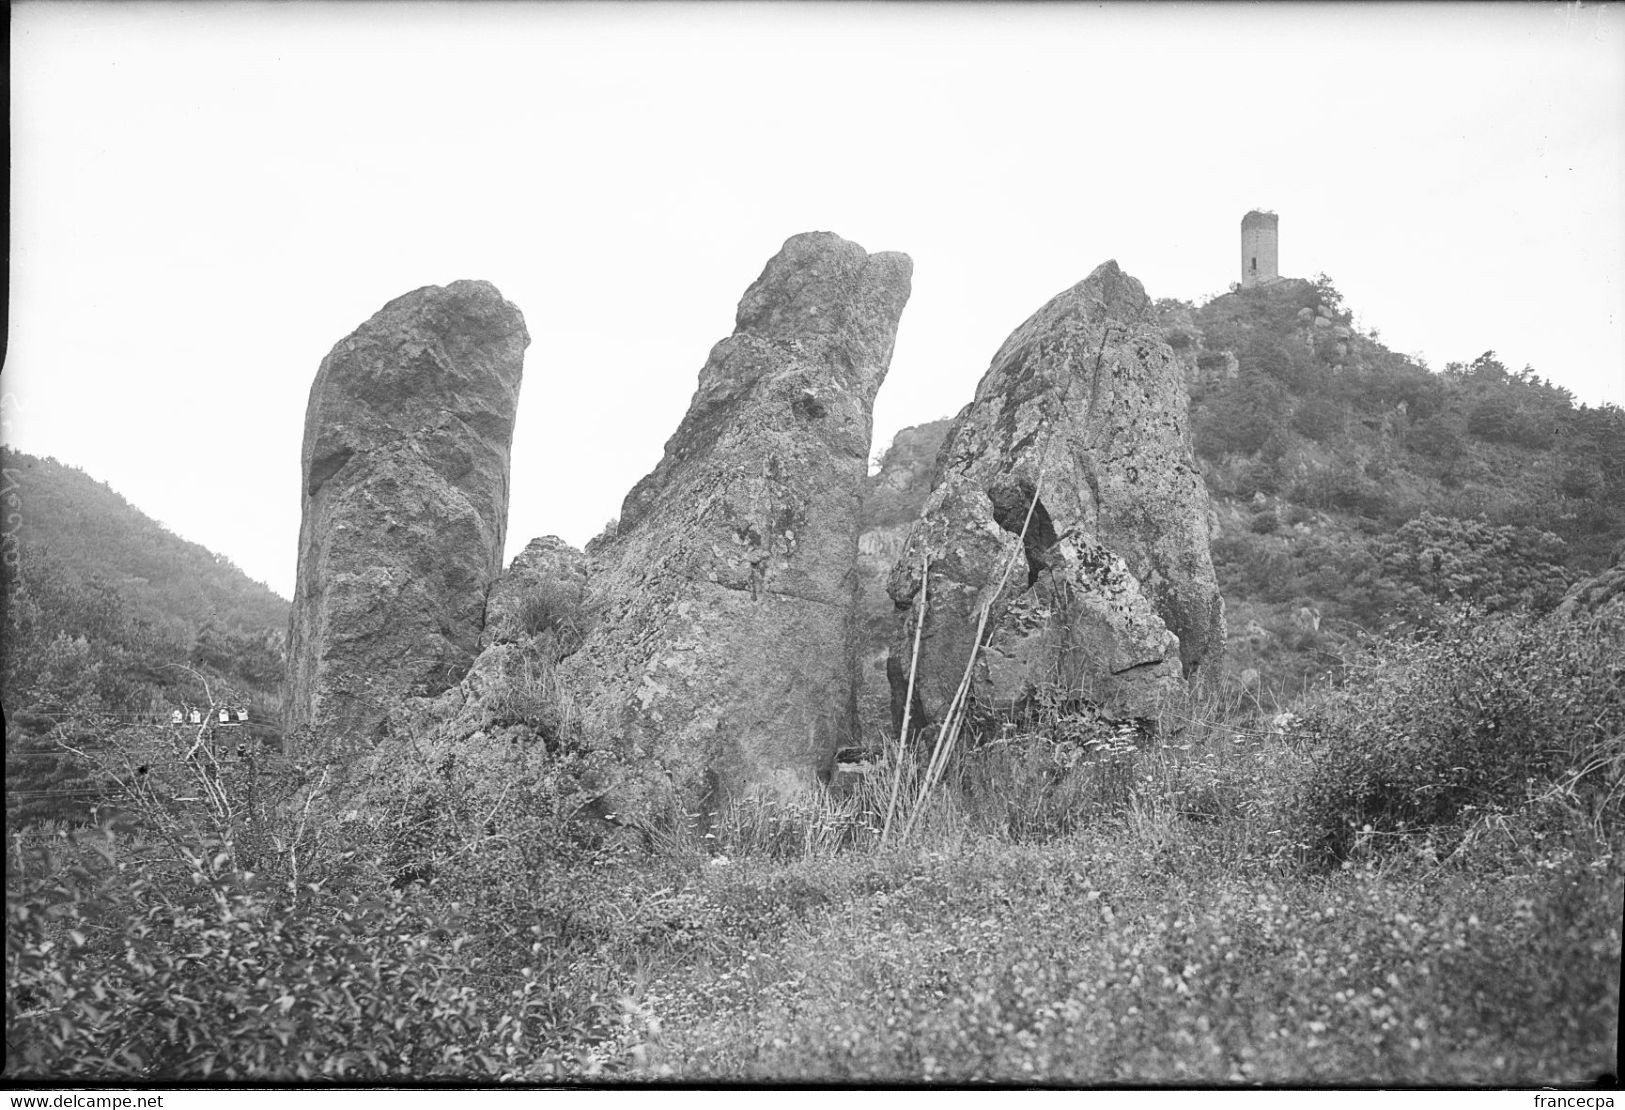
(404, 488)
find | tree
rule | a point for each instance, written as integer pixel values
(1496, 568)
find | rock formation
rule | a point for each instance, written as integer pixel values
(891, 504)
(542, 591)
(1112, 597)
(535, 614)
(404, 487)
(722, 656)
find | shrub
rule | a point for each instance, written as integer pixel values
(450, 910)
(1257, 476)
(1239, 416)
(1318, 418)
(1479, 715)
(556, 609)
(1494, 567)
(1342, 487)
(1505, 417)
(115, 970)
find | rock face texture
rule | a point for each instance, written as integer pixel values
(542, 591)
(535, 614)
(1112, 597)
(404, 484)
(722, 656)
(892, 502)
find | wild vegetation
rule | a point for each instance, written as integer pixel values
(1413, 884)
(1354, 487)
(1414, 876)
(112, 620)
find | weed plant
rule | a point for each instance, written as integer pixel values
(1385, 890)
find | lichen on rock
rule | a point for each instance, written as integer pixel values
(1078, 435)
(404, 496)
(722, 659)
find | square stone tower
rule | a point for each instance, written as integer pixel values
(1259, 240)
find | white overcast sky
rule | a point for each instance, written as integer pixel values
(207, 196)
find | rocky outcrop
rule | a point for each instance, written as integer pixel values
(404, 488)
(535, 614)
(542, 592)
(721, 660)
(1592, 594)
(1112, 598)
(892, 501)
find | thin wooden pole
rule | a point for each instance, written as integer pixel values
(908, 702)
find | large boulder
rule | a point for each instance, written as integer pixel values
(404, 488)
(1111, 598)
(721, 660)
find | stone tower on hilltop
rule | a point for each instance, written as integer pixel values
(1260, 237)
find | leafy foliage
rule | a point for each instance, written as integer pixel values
(1380, 467)
(1470, 561)
(108, 616)
(1476, 716)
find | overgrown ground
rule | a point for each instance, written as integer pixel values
(1417, 881)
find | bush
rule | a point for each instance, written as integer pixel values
(459, 912)
(1257, 476)
(1344, 488)
(556, 609)
(1239, 416)
(1477, 716)
(1089, 961)
(1318, 418)
(115, 970)
(1497, 568)
(1510, 418)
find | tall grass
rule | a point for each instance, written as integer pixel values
(1075, 905)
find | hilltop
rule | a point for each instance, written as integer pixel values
(1354, 487)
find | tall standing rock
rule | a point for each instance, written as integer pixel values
(1112, 596)
(722, 658)
(404, 485)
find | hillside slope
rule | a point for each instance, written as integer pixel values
(110, 617)
(1352, 486)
